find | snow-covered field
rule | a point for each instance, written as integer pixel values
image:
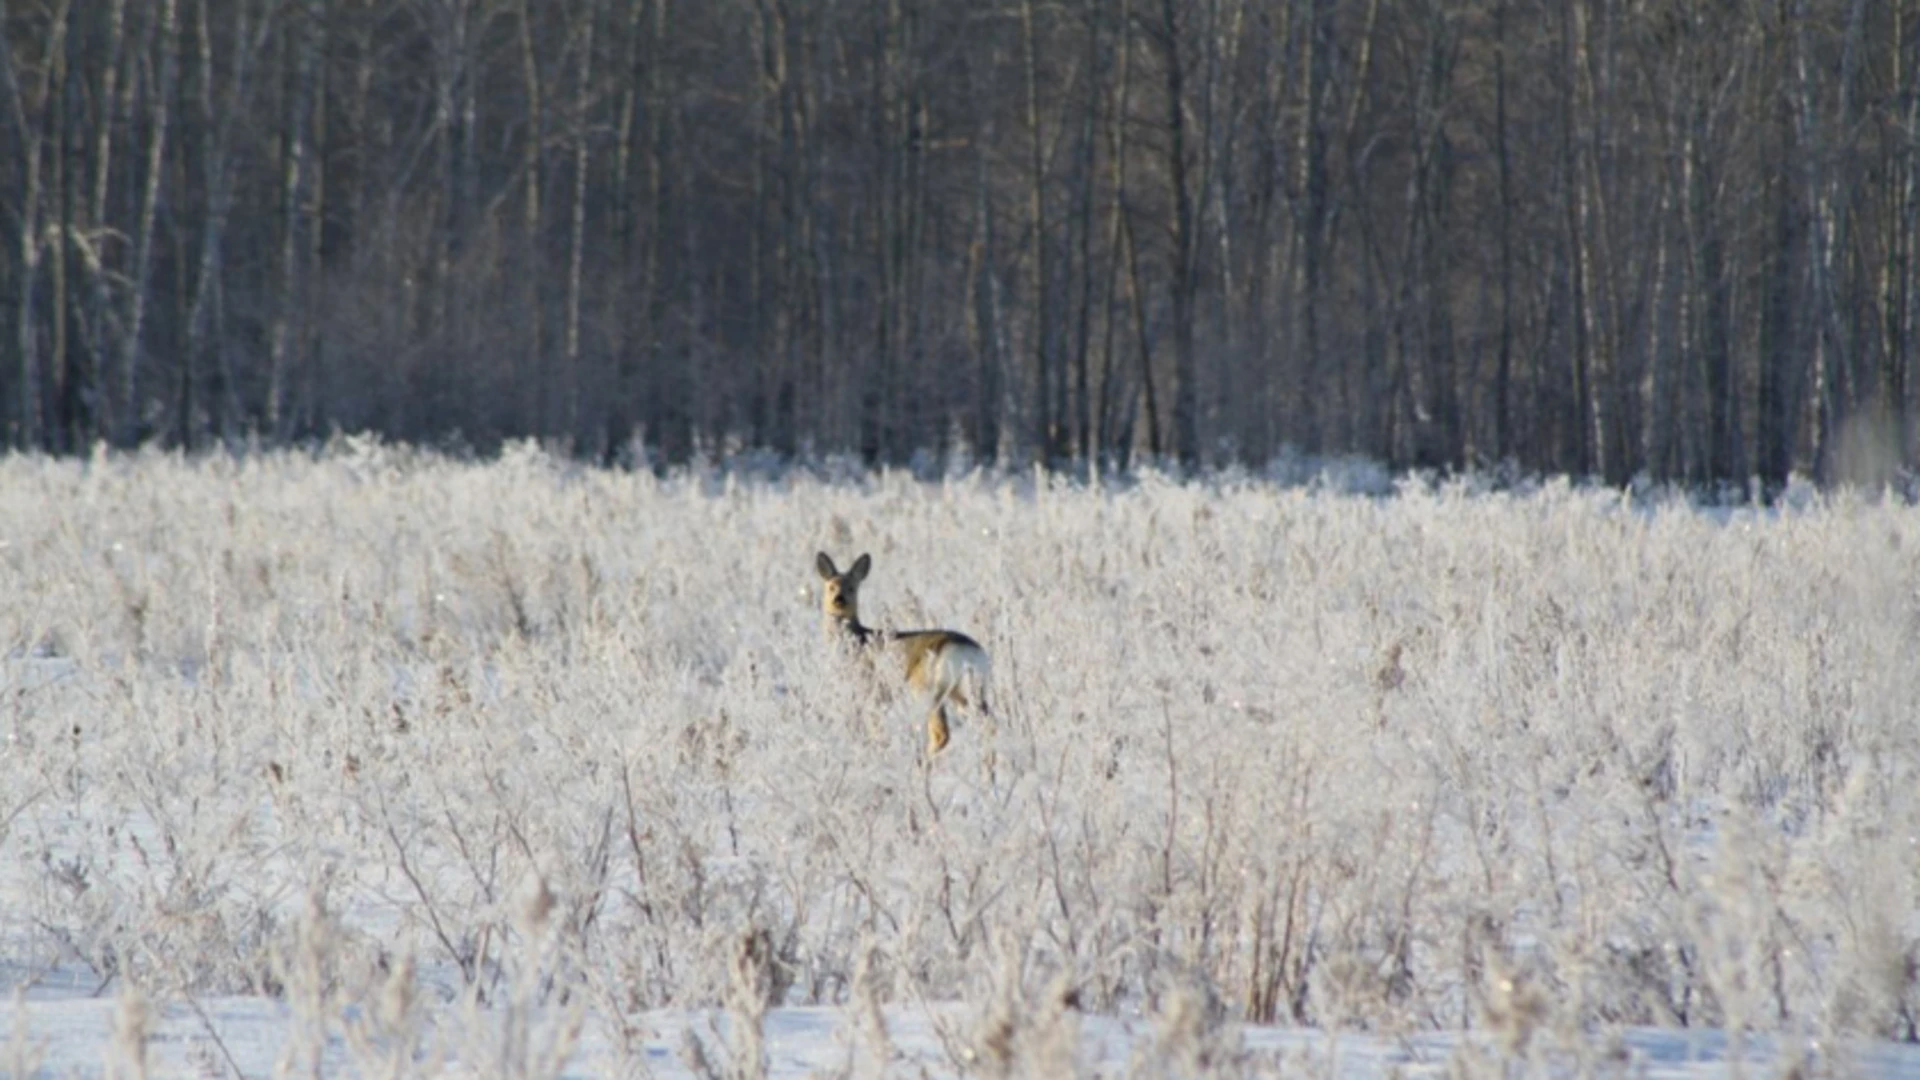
(386, 764)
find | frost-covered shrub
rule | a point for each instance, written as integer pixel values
(1529, 761)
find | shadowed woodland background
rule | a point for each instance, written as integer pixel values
(1606, 237)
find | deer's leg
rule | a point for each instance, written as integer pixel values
(936, 730)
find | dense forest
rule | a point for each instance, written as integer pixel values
(1613, 237)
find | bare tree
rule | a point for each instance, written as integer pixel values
(166, 41)
(219, 115)
(1169, 34)
(29, 138)
(577, 238)
(1662, 238)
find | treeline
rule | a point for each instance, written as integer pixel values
(1608, 237)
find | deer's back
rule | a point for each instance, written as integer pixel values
(923, 649)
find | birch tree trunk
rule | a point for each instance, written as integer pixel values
(577, 241)
(1180, 231)
(287, 331)
(530, 379)
(99, 325)
(128, 419)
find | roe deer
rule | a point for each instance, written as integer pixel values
(938, 662)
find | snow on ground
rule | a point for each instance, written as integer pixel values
(251, 1037)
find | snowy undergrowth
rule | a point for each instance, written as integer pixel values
(454, 760)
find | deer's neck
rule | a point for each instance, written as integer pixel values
(851, 626)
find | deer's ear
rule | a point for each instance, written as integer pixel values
(825, 565)
(858, 572)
